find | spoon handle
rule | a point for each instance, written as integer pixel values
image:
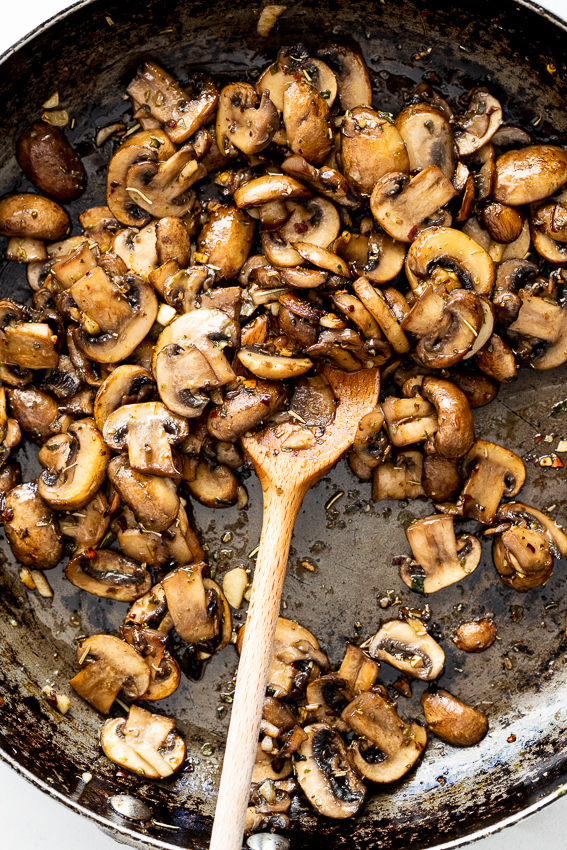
(280, 511)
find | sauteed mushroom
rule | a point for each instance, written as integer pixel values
(75, 466)
(428, 138)
(353, 78)
(446, 246)
(47, 158)
(402, 206)
(31, 528)
(530, 174)
(475, 635)
(359, 671)
(108, 574)
(33, 217)
(407, 647)
(88, 526)
(245, 122)
(307, 121)
(493, 472)
(152, 498)
(244, 408)
(112, 666)
(148, 431)
(453, 721)
(143, 743)
(440, 558)
(370, 148)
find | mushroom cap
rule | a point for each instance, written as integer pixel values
(530, 174)
(117, 656)
(124, 385)
(307, 121)
(456, 427)
(152, 498)
(269, 187)
(110, 575)
(274, 367)
(453, 721)
(31, 528)
(401, 643)
(447, 245)
(148, 430)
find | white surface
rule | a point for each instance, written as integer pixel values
(33, 821)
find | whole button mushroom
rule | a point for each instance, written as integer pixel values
(34, 217)
(226, 240)
(453, 721)
(148, 431)
(475, 635)
(47, 158)
(31, 528)
(530, 174)
(307, 121)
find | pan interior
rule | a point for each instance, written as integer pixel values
(89, 56)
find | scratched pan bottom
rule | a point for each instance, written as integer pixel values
(453, 794)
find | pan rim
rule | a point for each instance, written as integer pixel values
(122, 829)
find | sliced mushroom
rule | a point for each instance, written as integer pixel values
(25, 250)
(245, 122)
(403, 206)
(294, 62)
(389, 747)
(492, 472)
(195, 610)
(124, 385)
(213, 484)
(150, 611)
(371, 443)
(112, 666)
(480, 122)
(409, 420)
(36, 412)
(33, 217)
(10, 477)
(125, 209)
(456, 427)
(359, 672)
(178, 545)
(496, 359)
(148, 431)
(479, 389)
(110, 575)
(326, 181)
(326, 697)
(152, 498)
(525, 545)
(226, 240)
(400, 479)
(453, 721)
(272, 366)
(445, 246)
(376, 304)
(325, 756)
(455, 334)
(143, 743)
(165, 672)
(31, 528)
(440, 558)
(268, 188)
(530, 174)
(75, 466)
(313, 402)
(244, 408)
(354, 84)
(372, 253)
(371, 147)
(407, 647)
(428, 138)
(307, 121)
(475, 635)
(88, 526)
(25, 344)
(188, 357)
(163, 188)
(138, 250)
(545, 320)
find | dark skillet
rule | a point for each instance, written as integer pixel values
(89, 54)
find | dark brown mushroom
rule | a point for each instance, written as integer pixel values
(496, 359)
(244, 408)
(213, 484)
(226, 239)
(33, 217)
(195, 611)
(307, 122)
(31, 528)
(47, 158)
(110, 575)
(440, 477)
(530, 174)
(370, 147)
(456, 427)
(475, 635)
(152, 498)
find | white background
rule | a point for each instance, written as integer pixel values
(29, 819)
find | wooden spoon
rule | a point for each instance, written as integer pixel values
(286, 476)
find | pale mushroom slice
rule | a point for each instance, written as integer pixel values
(163, 188)
(110, 575)
(189, 358)
(453, 721)
(10, 431)
(75, 466)
(112, 666)
(403, 206)
(371, 253)
(409, 420)
(428, 138)
(480, 122)
(31, 528)
(25, 344)
(359, 671)
(152, 498)
(145, 744)
(407, 647)
(137, 249)
(370, 147)
(189, 604)
(148, 431)
(325, 774)
(530, 174)
(325, 180)
(440, 558)
(353, 78)
(119, 313)
(398, 745)
(453, 248)
(307, 121)
(492, 472)
(270, 366)
(150, 611)
(245, 123)
(180, 112)
(125, 385)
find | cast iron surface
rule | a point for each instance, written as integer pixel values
(453, 794)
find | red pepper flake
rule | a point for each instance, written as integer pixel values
(300, 227)
(90, 553)
(412, 233)
(538, 437)
(1, 702)
(511, 739)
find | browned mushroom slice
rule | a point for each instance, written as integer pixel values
(440, 558)
(110, 575)
(272, 366)
(165, 672)
(181, 288)
(36, 412)
(181, 113)
(325, 775)
(316, 221)
(327, 181)
(31, 528)
(10, 477)
(545, 320)
(371, 147)
(456, 427)
(244, 408)
(428, 138)
(326, 697)
(150, 611)
(245, 122)
(400, 479)
(213, 484)
(143, 743)
(268, 188)
(403, 206)
(409, 420)
(372, 254)
(121, 205)
(124, 385)
(478, 389)
(177, 545)
(525, 545)
(389, 747)
(163, 188)
(152, 498)
(546, 231)
(32, 217)
(407, 647)
(480, 122)
(75, 466)
(264, 767)
(88, 526)
(453, 721)
(307, 121)
(112, 666)
(492, 472)
(444, 245)
(496, 359)
(226, 240)
(10, 432)
(377, 305)
(440, 477)
(371, 443)
(117, 330)
(530, 174)
(354, 84)
(357, 670)
(475, 635)
(148, 431)
(27, 345)
(188, 358)
(195, 618)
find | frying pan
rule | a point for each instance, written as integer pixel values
(89, 54)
